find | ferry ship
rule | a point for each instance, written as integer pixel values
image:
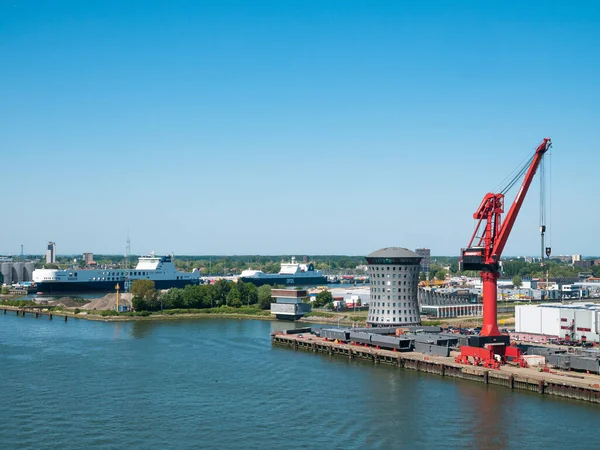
(290, 274)
(159, 269)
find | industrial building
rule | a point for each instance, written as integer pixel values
(15, 272)
(394, 275)
(51, 253)
(574, 322)
(88, 259)
(446, 311)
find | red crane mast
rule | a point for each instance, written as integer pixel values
(484, 254)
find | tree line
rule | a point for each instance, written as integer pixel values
(223, 293)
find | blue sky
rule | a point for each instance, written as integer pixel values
(296, 127)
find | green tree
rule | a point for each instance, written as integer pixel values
(422, 276)
(220, 291)
(251, 294)
(264, 297)
(145, 297)
(440, 274)
(324, 299)
(234, 297)
(143, 289)
(517, 282)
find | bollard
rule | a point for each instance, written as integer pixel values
(50, 316)
(65, 318)
(4, 310)
(37, 314)
(486, 377)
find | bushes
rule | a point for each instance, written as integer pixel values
(19, 303)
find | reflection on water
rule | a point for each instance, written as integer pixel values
(141, 329)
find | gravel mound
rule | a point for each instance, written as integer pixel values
(67, 302)
(109, 301)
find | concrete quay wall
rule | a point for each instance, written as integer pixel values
(584, 387)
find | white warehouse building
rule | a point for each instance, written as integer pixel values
(577, 322)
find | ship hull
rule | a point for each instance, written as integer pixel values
(286, 281)
(103, 286)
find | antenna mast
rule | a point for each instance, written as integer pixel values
(127, 282)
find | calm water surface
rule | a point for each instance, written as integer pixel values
(217, 383)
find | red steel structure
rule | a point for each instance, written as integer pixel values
(484, 251)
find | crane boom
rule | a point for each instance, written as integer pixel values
(485, 254)
(516, 206)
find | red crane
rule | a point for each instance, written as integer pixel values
(484, 251)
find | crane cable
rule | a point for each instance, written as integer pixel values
(543, 192)
(550, 200)
(515, 173)
(518, 175)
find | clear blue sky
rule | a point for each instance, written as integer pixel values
(292, 127)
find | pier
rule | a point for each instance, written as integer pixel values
(34, 312)
(572, 385)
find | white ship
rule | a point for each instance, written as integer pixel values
(159, 269)
(292, 274)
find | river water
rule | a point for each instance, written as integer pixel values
(218, 383)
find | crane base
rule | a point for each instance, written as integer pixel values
(489, 351)
(481, 341)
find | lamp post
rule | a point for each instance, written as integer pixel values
(117, 288)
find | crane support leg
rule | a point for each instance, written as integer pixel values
(490, 292)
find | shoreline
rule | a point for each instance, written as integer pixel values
(158, 317)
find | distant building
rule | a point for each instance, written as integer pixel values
(583, 264)
(394, 275)
(575, 258)
(88, 258)
(425, 255)
(51, 253)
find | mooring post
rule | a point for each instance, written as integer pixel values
(511, 381)
(65, 318)
(50, 316)
(4, 310)
(541, 386)
(37, 314)
(486, 376)
(442, 370)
